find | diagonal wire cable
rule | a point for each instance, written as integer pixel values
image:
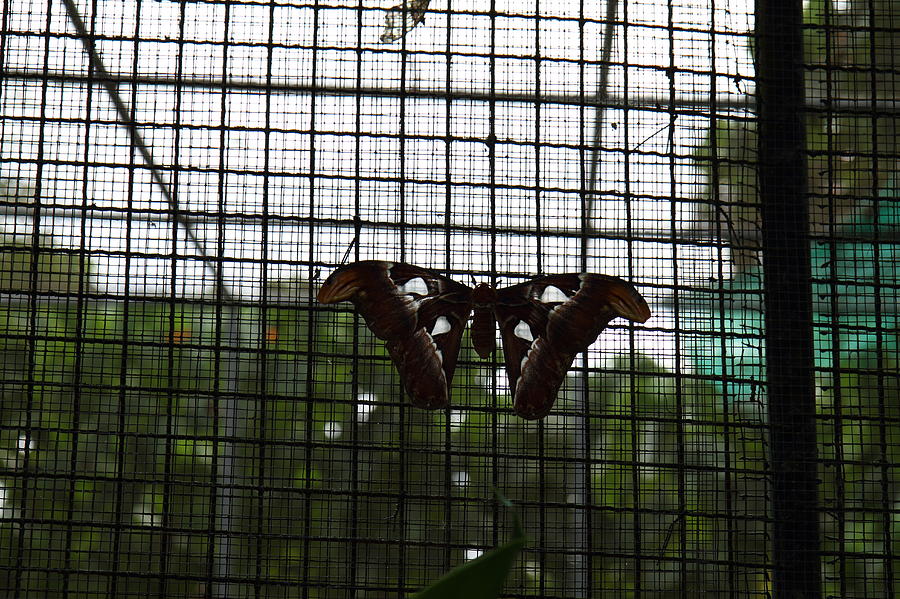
(600, 99)
(109, 83)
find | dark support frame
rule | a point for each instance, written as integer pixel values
(789, 326)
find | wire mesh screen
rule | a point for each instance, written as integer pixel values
(181, 417)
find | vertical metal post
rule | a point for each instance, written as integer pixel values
(788, 300)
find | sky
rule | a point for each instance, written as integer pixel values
(260, 169)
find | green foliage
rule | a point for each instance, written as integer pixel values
(850, 62)
(677, 466)
(31, 264)
(859, 441)
(483, 577)
(118, 419)
(116, 412)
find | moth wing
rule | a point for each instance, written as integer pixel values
(546, 322)
(419, 314)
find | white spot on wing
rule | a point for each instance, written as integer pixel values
(415, 286)
(523, 331)
(441, 326)
(411, 301)
(553, 295)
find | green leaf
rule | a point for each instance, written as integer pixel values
(483, 577)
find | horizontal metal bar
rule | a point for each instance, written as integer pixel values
(737, 102)
(731, 102)
(699, 235)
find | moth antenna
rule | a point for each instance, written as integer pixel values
(350, 248)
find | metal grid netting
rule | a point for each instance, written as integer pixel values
(181, 418)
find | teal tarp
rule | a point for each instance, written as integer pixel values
(856, 297)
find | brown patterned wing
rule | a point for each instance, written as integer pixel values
(419, 314)
(546, 322)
